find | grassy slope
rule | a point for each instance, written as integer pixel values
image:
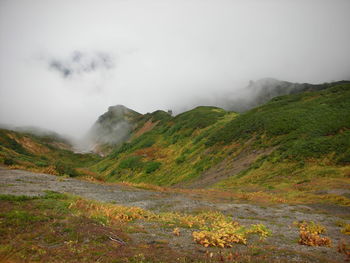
(306, 138)
(41, 154)
(172, 152)
(310, 133)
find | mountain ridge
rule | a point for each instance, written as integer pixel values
(289, 130)
(301, 138)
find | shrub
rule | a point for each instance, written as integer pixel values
(309, 234)
(147, 142)
(17, 198)
(131, 162)
(41, 163)
(9, 161)
(346, 229)
(152, 166)
(123, 148)
(65, 169)
(313, 240)
(344, 248)
(200, 117)
(180, 159)
(306, 125)
(345, 158)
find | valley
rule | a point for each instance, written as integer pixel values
(266, 183)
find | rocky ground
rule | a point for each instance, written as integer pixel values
(278, 218)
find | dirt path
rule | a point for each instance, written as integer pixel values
(279, 218)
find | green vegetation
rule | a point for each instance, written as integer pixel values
(291, 149)
(307, 125)
(305, 136)
(132, 162)
(150, 167)
(200, 117)
(291, 146)
(62, 228)
(42, 154)
(169, 153)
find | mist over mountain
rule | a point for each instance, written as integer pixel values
(261, 91)
(75, 59)
(116, 126)
(40, 132)
(111, 128)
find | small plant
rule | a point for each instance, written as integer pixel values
(131, 162)
(152, 166)
(346, 229)
(65, 169)
(180, 159)
(226, 234)
(312, 227)
(313, 240)
(9, 161)
(176, 231)
(344, 249)
(309, 235)
(215, 228)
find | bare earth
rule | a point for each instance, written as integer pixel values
(278, 218)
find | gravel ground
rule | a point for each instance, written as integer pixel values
(278, 218)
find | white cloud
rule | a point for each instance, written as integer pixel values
(169, 53)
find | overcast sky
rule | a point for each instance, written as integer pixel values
(62, 63)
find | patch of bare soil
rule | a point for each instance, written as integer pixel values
(29, 144)
(149, 125)
(229, 167)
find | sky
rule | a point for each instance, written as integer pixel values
(64, 62)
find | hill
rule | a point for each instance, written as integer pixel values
(111, 129)
(295, 141)
(261, 91)
(42, 152)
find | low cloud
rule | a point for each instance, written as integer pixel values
(65, 62)
(79, 63)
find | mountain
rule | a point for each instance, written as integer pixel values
(117, 125)
(300, 139)
(112, 128)
(261, 91)
(40, 150)
(295, 141)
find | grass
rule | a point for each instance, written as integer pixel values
(20, 150)
(309, 133)
(62, 228)
(302, 128)
(168, 154)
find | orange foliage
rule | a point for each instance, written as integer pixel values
(145, 128)
(344, 249)
(309, 235)
(150, 153)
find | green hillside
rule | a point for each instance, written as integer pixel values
(310, 133)
(172, 152)
(299, 140)
(111, 129)
(47, 154)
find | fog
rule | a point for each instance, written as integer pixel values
(63, 63)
